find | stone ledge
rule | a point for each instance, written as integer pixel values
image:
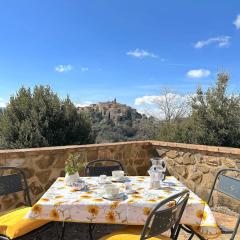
(202, 148)
(59, 148)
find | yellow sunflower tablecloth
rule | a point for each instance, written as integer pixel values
(62, 203)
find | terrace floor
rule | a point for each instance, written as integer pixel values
(75, 231)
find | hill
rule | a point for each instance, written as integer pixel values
(112, 122)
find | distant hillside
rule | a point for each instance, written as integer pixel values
(114, 122)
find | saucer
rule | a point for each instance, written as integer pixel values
(121, 180)
(119, 196)
(104, 182)
(78, 185)
(131, 191)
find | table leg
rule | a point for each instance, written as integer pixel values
(63, 231)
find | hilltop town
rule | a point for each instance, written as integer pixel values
(113, 121)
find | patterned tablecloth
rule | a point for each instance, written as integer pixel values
(62, 203)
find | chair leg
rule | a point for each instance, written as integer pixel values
(90, 229)
(192, 235)
(177, 233)
(4, 238)
(57, 230)
(235, 229)
(62, 231)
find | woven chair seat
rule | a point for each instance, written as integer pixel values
(224, 221)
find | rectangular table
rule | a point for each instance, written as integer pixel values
(62, 203)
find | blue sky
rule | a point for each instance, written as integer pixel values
(101, 49)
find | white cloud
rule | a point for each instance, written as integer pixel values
(198, 73)
(154, 99)
(237, 22)
(153, 105)
(140, 53)
(83, 104)
(148, 100)
(84, 69)
(2, 103)
(221, 41)
(63, 68)
(152, 112)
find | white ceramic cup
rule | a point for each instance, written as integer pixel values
(111, 190)
(102, 178)
(118, 175)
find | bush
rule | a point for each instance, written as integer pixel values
(215, 117)
(40, 118)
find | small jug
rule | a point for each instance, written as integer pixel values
(159, 164)
(157, 172)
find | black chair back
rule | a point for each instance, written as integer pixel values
(102, 167)
(14, 182)
(166, 216)
(229, 186)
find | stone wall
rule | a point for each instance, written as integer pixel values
(194, 165)
(43, 165)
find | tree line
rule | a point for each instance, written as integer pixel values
(39, 118)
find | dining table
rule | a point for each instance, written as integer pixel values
(88, 205)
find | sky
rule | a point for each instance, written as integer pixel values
(130, 50)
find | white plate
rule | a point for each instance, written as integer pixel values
(117, 197)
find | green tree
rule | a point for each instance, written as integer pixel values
(147, 128)
(215, 118)
(39, 118)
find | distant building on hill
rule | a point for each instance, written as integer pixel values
(112, 110)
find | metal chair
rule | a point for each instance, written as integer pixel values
(226, 185)
(97, 168)
(102, 167)
(162, 218)
(15, 181)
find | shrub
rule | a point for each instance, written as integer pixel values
(39, 118)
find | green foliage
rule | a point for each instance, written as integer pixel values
(40, 118)
(1, 111)
(214, 119)
(73, 165)
(147, 128)
(216, 115)
(169, 130)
